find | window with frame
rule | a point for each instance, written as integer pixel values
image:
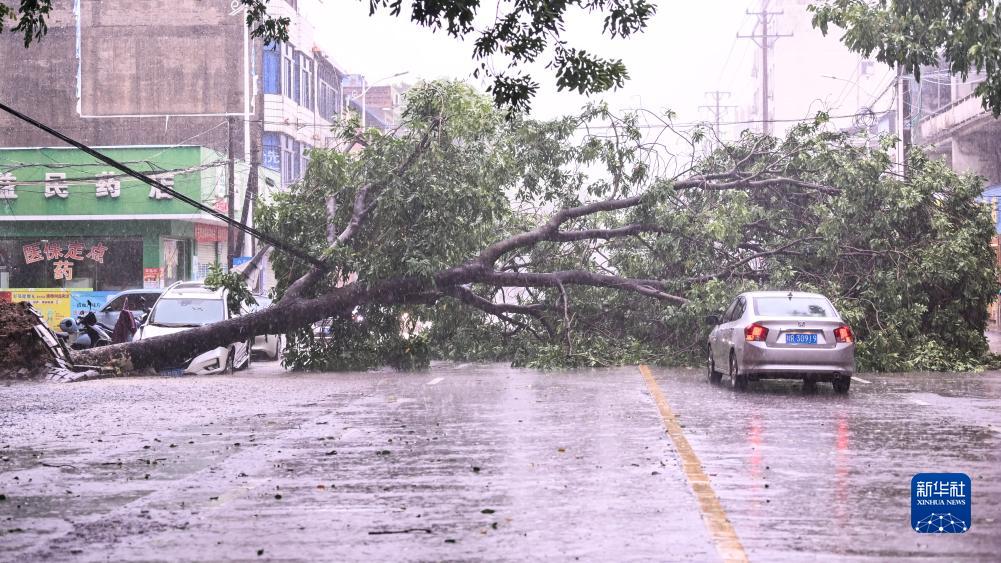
(272, 70)
(321, 98)
(306, 64)
(296, 78)
(286, 86)
(288, 162)
(296, 160)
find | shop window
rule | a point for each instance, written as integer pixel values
(102, 264)
(272, 69)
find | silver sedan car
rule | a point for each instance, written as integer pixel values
(781, 335)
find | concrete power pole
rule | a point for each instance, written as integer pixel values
(903, 121)
(716, 108)
(763, 39)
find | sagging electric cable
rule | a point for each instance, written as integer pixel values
(177, 195)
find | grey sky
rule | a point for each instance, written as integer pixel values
(678, 56)
(690, 48)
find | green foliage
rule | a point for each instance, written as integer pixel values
(30, 17)
(436, 214)
(237, 294)
(372, 337)
(908, 263)
(966, 34)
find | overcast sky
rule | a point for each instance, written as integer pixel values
(679, 56)
(689, 48)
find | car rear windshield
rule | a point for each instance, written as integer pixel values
(793, 307)
(187, 312)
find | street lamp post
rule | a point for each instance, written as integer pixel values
(365, 88)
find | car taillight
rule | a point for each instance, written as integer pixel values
(755, 333)
(844, 334)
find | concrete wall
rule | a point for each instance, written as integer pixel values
(136, 57)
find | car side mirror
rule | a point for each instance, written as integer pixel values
(712, 320)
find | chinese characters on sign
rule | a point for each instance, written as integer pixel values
(931, 489)
(168, 182)
(63, 259)
(941, 503)
(55, 186)
(107, 186)
(7, 186)
(151, 278)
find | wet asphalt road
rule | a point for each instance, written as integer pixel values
(487, 463)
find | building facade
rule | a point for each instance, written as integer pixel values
(73, 226)
(191, 96)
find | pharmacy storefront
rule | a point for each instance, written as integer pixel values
(73, 229)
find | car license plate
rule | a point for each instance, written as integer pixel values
(801, 338)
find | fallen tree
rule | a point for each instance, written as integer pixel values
(549, 242)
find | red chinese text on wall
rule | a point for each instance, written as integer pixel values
(63, 257)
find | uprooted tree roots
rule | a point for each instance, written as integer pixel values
(23, 353)
(30, 350)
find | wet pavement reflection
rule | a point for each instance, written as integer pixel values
(484, 462)
(816, 475)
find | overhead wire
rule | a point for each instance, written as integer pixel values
(176, 194)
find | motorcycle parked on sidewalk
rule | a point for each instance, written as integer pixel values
(84, 332)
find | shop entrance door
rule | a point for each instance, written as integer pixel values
(176, 260)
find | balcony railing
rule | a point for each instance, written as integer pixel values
(948, 120)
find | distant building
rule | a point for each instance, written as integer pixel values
(162, 78)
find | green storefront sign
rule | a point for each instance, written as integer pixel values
(57, 205)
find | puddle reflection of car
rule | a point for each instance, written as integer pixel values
(781, 335)
(187, 305)
(266, 345)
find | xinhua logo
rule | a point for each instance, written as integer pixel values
(941, 503)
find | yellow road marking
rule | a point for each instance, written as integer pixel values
(727, 544)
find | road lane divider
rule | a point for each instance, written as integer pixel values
(860, 380)
(436, 381)
(720, 529)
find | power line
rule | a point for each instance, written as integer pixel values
(156, 183)
(716, 108)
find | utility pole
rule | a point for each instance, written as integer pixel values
(763, 39)
(903, 125)
(230, 193)
(716, 108)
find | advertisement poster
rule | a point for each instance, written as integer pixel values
(151, 278)
(52, 304)
(79, 299)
